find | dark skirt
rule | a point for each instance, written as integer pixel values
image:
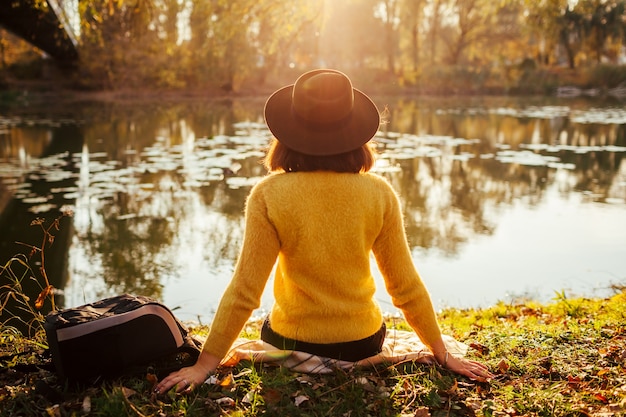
(346, 351)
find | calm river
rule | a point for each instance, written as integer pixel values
(504, 198)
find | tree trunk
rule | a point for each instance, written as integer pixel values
(568, 49)
(434, 31)
(415, 47)
(390, 45)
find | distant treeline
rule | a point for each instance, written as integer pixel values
(422, 46)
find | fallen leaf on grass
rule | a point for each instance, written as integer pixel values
(86, 406)
(453, 389)
(482, 349)
(420, 412)
(308, 380)
(601, 398)
(271, 396)
(365, 383)
(54, 411)
(545, 363)
(127, 392)
(474, 404)
(226, 401)
(227, 381)
(152, 379)
(573, 381)
(249, 397)
(300, 399)
(305, 379)
(212, 380)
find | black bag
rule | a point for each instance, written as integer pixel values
(121, 335)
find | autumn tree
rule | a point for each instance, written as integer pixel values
(571, 34)
(13, 50)
(227, 44)
(234, 39)
(288, 35)
(544, 27)
(389, 13)
(604, 26)
(411, 19)
(479, 27)
(435, 23)
(122, 43)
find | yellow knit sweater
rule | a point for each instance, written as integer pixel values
(322, 227)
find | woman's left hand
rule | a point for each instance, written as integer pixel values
(471, 369)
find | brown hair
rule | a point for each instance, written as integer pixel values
(281, 158)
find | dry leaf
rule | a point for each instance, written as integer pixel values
(86, 406)
(226, 401)
(453, 389)
(227, 381)
(152, 379)
(249, 397)
(127, 392)
(42, 296)
(482, 349)
(422, 412)
(300, 399)
(365, 383)
(271, 396)
(212, 380)
(305, 379)
(601, 398)
(54, 411)
(572, 381)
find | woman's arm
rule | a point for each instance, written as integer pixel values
(409, 293)
(255, 262)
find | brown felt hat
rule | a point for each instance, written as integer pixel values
(321, 114)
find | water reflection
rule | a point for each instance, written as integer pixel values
(33, 185)
(158, 189)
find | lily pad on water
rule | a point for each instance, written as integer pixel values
(527, 158)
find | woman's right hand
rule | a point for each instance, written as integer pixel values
(186, 379)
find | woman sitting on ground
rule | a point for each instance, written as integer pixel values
(321, 213)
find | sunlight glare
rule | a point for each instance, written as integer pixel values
(182, 21)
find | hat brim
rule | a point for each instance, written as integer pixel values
(358, 129)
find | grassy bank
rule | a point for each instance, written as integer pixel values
(566, 358)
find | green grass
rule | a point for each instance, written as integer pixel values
(564, 358)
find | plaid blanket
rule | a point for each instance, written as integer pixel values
(399, 346)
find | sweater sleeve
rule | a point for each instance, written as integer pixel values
(402, 280)
(257, 258)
